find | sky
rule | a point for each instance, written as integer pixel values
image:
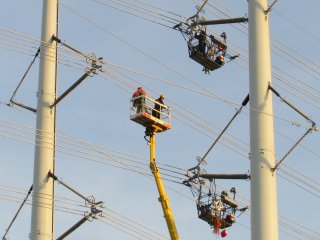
(96, 138)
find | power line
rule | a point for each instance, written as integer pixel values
(299, 59)
(297, 25)
(132, 226)
(89, 157)
(141, 9)
(216, 97)
(117, 218)
(123, 229)
(127, 43)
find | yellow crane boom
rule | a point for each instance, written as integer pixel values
(163, 197)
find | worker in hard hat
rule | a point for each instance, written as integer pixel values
(202, 38)
(156, 112)
(220, 60)
(139, 100)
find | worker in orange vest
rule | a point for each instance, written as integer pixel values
(140, 101)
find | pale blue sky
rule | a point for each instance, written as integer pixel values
(97, 112)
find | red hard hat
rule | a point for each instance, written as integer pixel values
(224, 233)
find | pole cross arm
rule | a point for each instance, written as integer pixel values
(244, 103)
(292, 106)
(23, 106)
(91, 202)
(224, 176)
(73, 228)
(73, 86)
(24, 76)
(87, 216)
(54, 38)
(221, 21)
(93, 59)
(76, 225)
(17, 213)
(309, 130)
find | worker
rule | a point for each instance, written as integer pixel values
(139, 102)
(220, 60)
(156, 112)
(211, 52)
(201, 36)
(224, 36)
(219, 51)
(230, 219)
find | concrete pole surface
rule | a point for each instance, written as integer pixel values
(264, 216)
(43, 188)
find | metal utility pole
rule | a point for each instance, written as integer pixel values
(43, 189)
(264, 219)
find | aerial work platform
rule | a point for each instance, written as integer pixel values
(143, 110)
(155, 117)
(206, 214)
(203, 60)
(206, 58)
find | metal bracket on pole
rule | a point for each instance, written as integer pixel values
(16, 215)
(291, 149)
(94, 66)
(244, 103)
(89, 201)
(92, 59)
(221, 21)
(74, 227)
(25, 74)
(73, 86)
(211, 176)
(23, 106)
(17, 88)
(86, 217)
(292, 106)
(310, 129)
(54, 38)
